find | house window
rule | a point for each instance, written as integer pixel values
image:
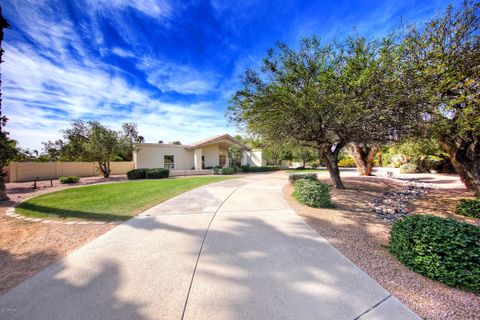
(203, 162)
(169, 162)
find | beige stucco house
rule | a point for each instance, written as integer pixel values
(200, 155)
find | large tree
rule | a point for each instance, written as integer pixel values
(325, 96)
(5, 142)
(92, 141)
(444, 60)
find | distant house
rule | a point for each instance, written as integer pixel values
(200, 155)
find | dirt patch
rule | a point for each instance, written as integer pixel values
(355, 231)
(26, 247)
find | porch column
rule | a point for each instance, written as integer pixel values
(197, 159)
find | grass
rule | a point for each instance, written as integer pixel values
(305, 170)
(109, 202)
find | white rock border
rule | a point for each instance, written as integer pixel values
(10, 213)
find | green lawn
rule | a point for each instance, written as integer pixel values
(305, 170)
(109, 202)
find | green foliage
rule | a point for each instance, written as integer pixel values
(235, 153)
(228, 170)
(136, 174)
(469, 208)
(347, 162)
(157, 173)
(294, 177)
(408, 168)
(69, 179)
(217, 170)
(441, 249)
(178, 143)
(313, 193)
(260, 168)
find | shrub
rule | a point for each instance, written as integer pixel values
(408, 168)
(347, 162)
(69, 179)
(217, 170)
(228, 170)
(157, 173)
(293, 177)
(260, 169)
(438, 248)
(469, 208)
(313, 193)
(136, 174)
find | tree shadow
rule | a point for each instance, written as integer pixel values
(57, 294)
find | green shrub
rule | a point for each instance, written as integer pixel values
(441, 249)
(313, 193)
(157, 173)
(260, 169)
(217, 170)
(228, 170)
(136, 174)
(408, 168)
(293, 177)
(469, 208)
(347, 162)
(69, 179)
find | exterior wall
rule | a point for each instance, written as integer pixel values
(253, 158)
(151, 156)
(29, 171)
(211, 154)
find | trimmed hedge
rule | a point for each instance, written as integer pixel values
(136, 174)
(313, 193)
(157, 173)
(217, 170)
(408, 168)
(469, 208)
(440, 249)
(293, 177)
(228, 170)
(69, 179)
(260, 169)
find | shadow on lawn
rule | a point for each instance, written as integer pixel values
(61, 213)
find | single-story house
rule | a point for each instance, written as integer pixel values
(200, 155)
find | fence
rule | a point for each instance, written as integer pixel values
(29, 171)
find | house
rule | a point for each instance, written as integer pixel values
(200, 155)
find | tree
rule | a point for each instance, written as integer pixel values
(176, 142)
(444, 62)
(304, 154)
(92, 141)
(324, 97)
(4, 140)
(235, 152)
(363, 154)
(160, 141)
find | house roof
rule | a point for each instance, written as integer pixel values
(214, 139)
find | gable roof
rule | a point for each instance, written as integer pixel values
(214, 139)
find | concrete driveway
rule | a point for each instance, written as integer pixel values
(229, 250)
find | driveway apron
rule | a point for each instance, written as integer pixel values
(228, 250)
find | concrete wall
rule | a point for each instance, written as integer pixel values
(211, 154)
(29, 171)
(150, 155)
(253, 158)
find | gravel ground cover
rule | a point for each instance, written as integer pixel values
(362, 237)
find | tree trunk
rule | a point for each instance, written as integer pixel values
(363, 154)
(105, 168)
(3, 189)
(465, 157)
(331, 162)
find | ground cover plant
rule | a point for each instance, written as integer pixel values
(69, 179)
(441, 249)
(313, 193)
(109, 202)
(469, 208)
(294, 177)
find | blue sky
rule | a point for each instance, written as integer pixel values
(170, 66)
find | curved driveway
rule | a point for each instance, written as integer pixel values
(229, 250)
